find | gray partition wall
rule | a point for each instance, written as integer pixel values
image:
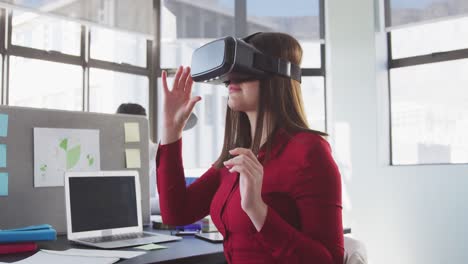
(26, 205)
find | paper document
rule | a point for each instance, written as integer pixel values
(50, 256)
(132, 157)
(132, 132)
(57, 151)
(151, 247)
(99, 253)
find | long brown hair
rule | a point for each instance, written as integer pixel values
(279, 96)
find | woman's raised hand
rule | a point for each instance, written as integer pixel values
(178, 104)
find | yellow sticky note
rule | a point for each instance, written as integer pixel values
(151, 247)
(132, 158)
(132, 132)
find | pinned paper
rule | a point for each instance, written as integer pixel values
(3, 125)
(132, 157)
(58, 150)
(151, 247)
(3, 155)
(3, 184)
(132, 132)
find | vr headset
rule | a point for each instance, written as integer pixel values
(232, 59)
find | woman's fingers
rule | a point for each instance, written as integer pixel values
(191, 104)
(245, 151)
(188, 83)
(245, 161)
(164, 82)
(183, 79)
(177, 76)
(243, 171)
(239, 160)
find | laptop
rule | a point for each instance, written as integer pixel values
(104, 210)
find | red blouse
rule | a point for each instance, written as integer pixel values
(301, 186)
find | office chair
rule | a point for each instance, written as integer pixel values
(355, 251)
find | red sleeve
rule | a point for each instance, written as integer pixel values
(181, 205)
(317, 192)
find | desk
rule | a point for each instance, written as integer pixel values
(189, 250)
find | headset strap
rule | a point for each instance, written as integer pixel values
(275, 65)
(278, 66)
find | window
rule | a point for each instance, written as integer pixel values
(118, 47)
(186, 26)
(44, 84)
(313, 93)
(299, 18)
(48, 65)
(45, 33)
(430, 38)
(77, 55)
(428, 60)
(303, 20)
(123, 76)
(109, 89)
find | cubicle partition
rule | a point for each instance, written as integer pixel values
(21, 203)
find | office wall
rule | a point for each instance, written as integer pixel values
(404, 214)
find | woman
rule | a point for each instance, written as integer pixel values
(275, 191)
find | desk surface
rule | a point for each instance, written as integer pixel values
(188, 250)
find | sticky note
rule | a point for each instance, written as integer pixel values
(151, 247)
(132, 157)
(132, 132)
(3, 155)
(3, 125)
(3, 184)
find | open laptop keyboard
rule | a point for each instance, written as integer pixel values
(116, 237)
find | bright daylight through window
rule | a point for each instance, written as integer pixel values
(428, 62)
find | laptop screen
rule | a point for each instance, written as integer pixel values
(98, 203)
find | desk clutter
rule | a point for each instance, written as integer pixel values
(205, 225)
(24, 239)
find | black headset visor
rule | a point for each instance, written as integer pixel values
(233, 60)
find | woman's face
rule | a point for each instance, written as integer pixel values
(244, 96)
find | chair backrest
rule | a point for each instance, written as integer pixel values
(355, 251)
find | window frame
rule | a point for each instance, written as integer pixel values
(434, 57)
(84, 60)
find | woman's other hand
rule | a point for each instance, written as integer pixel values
(250, 184)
